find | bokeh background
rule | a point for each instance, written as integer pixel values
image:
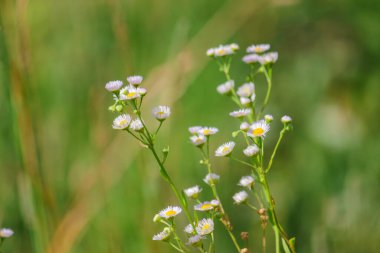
(69, 183)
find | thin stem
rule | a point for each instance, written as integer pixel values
(252, 206)
(277, 235)
(158, 128)
(175, 247)
(268, 76)
(264, 240)
(275, 150)
(211, 248)
(242, 162)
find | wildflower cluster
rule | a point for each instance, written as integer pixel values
(253, 127)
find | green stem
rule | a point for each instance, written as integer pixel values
(277, 235)
(252, 206)
(242, 162)
(268, 76)
(175, 247)
(275, 150)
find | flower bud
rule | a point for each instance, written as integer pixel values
(157, 218)
(268, 118)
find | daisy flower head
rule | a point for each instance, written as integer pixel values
(268, 58)
(142, 91)
(240, 113)
(234, 47)
(189, 229)
(135, 80)
(210, 52)
(205, 206)
(193, 192)
(205, 227)
(198, 140)
(240, 197)
(225, 149)
(225, 88)
(195, 240)
(162, 236)
(114, 85)
(129, 93)
(215, 202)
(161, 112)
(260, 48)
(247, 181)
(246, 90)
(244, 126)
(245, 101)
(194, 129)
(170, 211)
(286, 119)
(136, 125)
(211, 178)
(206, 131)
(121, 122)
(251, 150)
(268, 118)
(258, 129)
(251, 58)
(224, 50)
(6, 232)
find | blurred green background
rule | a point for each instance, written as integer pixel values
(69, 183)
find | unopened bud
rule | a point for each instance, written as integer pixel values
(244, 235)
(268, 118)
(119, 108)
(156, 218)
(262, 211)
(244, 250)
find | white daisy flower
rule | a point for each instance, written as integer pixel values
(215, 202)
(161, 112)
(251, 58)
(162, 236)
(268, 58)
(189, 229)
(193, 192)
(195, 240)
(141, 91)
(210, 52)
(129, 93)
(234, 46)
(240, 113)
(258, 129)
(205, 206)
(246, 90)
(247, 181)
(211, 178)
(121, 121)
(286, 119)
(251, 150)
(135, 80)
(136, 125)
(244, 126)
(114, 85)
(268, 118)
(258, 48)
(170, 211)
(206, 131)
(245, 101)
(198, 140)
(205, 227)
(225, 149)
(194, 129)
(6, 232)
(224, 50)
(226, 87)
(240, 197)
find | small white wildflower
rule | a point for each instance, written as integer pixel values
(258, 129)
(170, 211)
(215, 202)
(129, 93)
(162, 236)
(246, 90)
(161, 112)
(286, 119)
(193, 192)
(240, 197)
(121, 121)
(210, 52)
(114, 85)
(135, 80)
(195, 240)
(225, 149)
(6, 232)
(268, 58)
(251, 58)
(246, 181)
(211, 178)
(189, 229)
(141, 91)
(268, 118)
(206, 131)
(234, 46)
(198, 140)
(205, 227)
(224, 50)
(205, 206)
(226, 87)
(258, 48)
(251, 150)
(194, 129)
(136, 125)
(240, 113)
(244, 126)
(245, 101)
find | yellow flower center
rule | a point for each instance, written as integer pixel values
(206, 131)
(161, 113)
(122, 122)
(258, 131)
(221, 51)
(206, 206)
(206, 226)
(225, 149)
(131, 94)
(170, 213)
